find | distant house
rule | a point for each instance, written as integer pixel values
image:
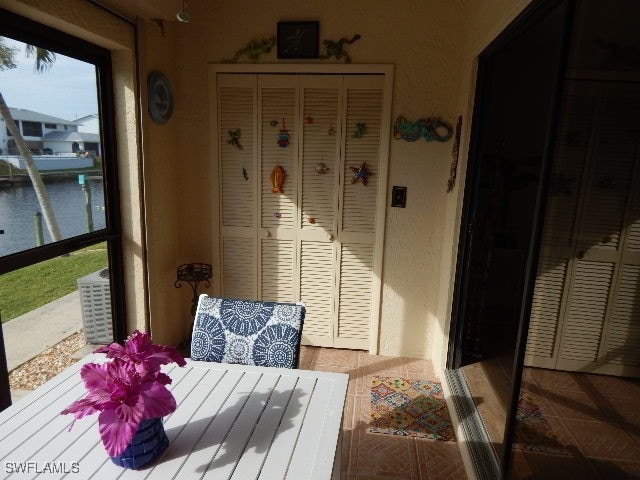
(48, 135)
(88, 123)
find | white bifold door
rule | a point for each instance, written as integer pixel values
(586, 306)
(303, 165)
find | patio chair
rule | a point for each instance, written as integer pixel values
(247, 332)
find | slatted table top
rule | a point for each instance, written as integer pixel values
(232, 422)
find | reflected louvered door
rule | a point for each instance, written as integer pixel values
(597, 311)
(238, 171)
(576, 130)
(321, 103)
(279, 132)
(362, 127)
(620, 348)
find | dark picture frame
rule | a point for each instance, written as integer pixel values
(298, 39)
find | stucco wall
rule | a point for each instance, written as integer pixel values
(432, 45)
(424, 40)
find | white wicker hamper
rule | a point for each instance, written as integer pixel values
(95, 299)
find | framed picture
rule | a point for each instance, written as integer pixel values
(298, 39)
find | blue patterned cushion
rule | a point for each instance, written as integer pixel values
(247, 332)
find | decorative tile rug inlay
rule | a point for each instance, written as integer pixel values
(533, 432)
(414, 408)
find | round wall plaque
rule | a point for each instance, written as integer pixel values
(160, 97)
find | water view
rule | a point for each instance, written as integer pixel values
(19, 204)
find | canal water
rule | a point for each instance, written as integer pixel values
(19, 204)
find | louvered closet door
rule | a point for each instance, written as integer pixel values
(319, 174)
(237, 100)
(279, 138)
(316, 241)
(362, 127)
(585, 313)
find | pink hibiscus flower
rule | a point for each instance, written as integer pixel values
(126, 390)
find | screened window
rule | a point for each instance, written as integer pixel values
(60, 220)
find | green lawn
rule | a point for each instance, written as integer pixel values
(31, 287)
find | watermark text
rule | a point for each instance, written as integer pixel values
(41, 467)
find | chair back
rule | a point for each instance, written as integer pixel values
(247, 332)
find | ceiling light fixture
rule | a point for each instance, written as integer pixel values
(182, 14)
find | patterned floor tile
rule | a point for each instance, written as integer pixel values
(602, 441)
(555, 380)
(379, 455)
(382, 365)
(520, 469)
(616, 470)
(338, 357)
(624, 411)
(545, 466)
(572, 405)
(439, 460)
(616, 387)
(307, 355)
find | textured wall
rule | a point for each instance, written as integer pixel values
(432, 45)
(424, 40)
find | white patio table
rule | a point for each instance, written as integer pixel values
(232, 422)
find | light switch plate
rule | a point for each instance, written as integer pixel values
(398, 196)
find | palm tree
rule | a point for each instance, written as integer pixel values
(44, 60)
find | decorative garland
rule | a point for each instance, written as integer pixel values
(427, 128)
(336, 49)
(253, 50)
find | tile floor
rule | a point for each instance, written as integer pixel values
(379, 456)
(595, 417)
